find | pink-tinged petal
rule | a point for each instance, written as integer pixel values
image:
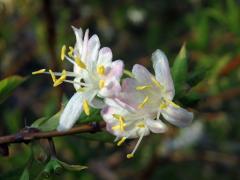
(85, 46)
(97, 103)
(141, 74)
(104, 57)
(79, 35)
(116, 70)
(112, 87)
(177, 116)
(129, 85)
(93, 48)
(162, 72)
(71, 112)
(156, 126)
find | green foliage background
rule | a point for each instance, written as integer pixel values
(206, 75)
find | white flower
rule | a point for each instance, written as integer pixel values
(94, 74)
(136, 111)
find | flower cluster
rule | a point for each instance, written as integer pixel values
(132, 109)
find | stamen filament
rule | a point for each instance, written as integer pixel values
(39, 71)
(136, 146)
(156, 83)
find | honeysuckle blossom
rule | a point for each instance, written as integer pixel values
(94, 74)
(143, 101)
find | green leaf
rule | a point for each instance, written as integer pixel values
(72, 167)
(47, 124)
(93, 117)
(98, 136)
(8, 85)
(179, 70)
(25, 174)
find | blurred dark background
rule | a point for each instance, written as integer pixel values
(32, 34)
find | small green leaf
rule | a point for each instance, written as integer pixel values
(179, 70)
(8, 85)
(25, 174)
(93, 117)
(47, 124)
(72, 167)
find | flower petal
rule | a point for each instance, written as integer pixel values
(93, 48)
(141, 74)
(71, 112)
(111, 88)
(79, 35)
(85, 46)
(105, 56)
(156, 126)
(162, 72)
(97, 103)
(116, 70)
(177, 116)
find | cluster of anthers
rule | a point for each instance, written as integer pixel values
(131, 110)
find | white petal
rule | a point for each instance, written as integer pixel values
(111, 88)
(177, 116)
(93, 48)
(105, 56)
(97, 103)
(116, 70)
(156, 126)
(85, 46)
(141, 74)
(79, 35)
(162, 72)
(71, 112)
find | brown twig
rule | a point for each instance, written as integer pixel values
(26, 136)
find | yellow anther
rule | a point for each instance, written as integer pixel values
(86, 108)
(80, 63)
(70, 52)
(121, 122)
(39, 71)
(173, 104)
(61, 79)
(143, 87)
(141, 125)
(121, 141)
(142, 104)
(101, 84)
(163, 106)
(52, 75)
(63, 52)
(101, 70)
(156, 83)
(130, 156)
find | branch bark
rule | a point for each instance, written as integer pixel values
(28, 134)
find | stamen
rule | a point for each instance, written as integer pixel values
(173, 104)
(61, 79)
(86, 107)
(135, 148)
(141, 105)
(52, 75)
(121, 122)
(70, 53)
(141, 125)
(63, 52)
(121, 141)
(129, 73)
(101, 84)
(80, 63)
(39, 71)
(139, 88)
(101, 70)
(156, 83)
